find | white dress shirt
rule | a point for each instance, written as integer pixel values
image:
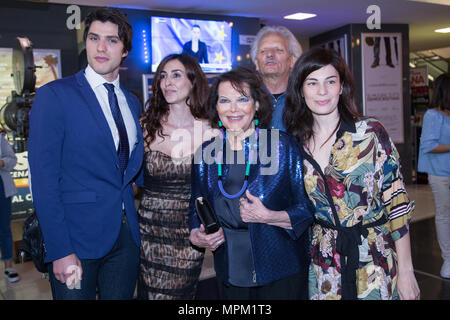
(96, 82)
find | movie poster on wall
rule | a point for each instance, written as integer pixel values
(339, 45)
(382, 81)
(6, 81)
(47, 61)
(418, 78)
(49, 65)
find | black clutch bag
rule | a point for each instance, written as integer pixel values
(33, 242)
(207, 216)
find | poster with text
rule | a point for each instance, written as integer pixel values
(418, 78)
(21, 203)
(6, 81)
(382, 81)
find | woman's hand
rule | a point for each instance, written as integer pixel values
(253, 211)
(256, 212)
(211, 241)
(407, 286)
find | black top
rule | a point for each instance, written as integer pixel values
(277, 95)
(237, 235)
(201, 54)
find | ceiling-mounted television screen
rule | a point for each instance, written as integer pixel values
(209, 41)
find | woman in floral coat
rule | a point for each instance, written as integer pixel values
(360, 238)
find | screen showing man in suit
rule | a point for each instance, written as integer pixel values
(209, 41)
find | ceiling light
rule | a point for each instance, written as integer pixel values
(444, 30)
(300, 16)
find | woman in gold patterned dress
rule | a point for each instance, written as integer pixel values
(173, 128)
(360, 239)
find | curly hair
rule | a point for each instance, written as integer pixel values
(238, 77)
(297, 117)
(157, 108)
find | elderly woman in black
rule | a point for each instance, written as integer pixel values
(261, 248)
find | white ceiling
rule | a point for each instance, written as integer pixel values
(423, 16)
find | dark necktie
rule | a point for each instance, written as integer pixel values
(124, 148)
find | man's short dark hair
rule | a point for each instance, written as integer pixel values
(113, 16)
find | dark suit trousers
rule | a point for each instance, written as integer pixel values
(294, 287)
(113, 277)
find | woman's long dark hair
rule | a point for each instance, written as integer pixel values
(157, 108)
(238, 77)
(297, 117)
(441, 93)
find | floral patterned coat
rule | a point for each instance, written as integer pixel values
(364, 181)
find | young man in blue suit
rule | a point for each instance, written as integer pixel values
(85, 151)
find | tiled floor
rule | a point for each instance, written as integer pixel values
(425, 251)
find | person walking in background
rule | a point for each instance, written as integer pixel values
(85, 151)
(360, 240)
(8, 161)
(274, 53)
(434, 159)
(170, 266)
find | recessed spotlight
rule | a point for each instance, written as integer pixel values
(444, 30)
(300, 16)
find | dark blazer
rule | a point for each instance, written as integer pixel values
(76, 182)
(201, 55)
(277, 252)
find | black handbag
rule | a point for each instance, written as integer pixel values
(207, 215)
(33, 242)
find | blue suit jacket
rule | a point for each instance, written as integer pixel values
(277, 252)
(76, 182)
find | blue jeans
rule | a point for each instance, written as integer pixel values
(114, 275)
(5, 225)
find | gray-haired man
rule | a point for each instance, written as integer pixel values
(274, 53)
